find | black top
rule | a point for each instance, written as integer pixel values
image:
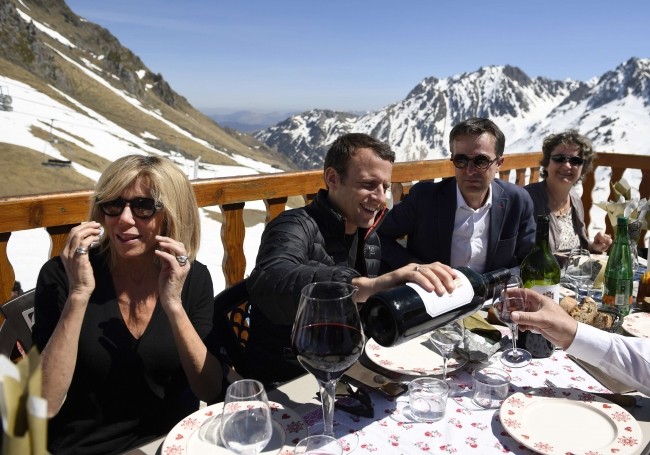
(299, 247)
(124, 391)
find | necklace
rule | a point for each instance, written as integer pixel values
(566, 208)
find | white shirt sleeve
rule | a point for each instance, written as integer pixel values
(626, 359)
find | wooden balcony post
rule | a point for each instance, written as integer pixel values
(7, 275)
(232, 238)
(274, 207)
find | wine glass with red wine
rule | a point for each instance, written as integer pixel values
(327, 338)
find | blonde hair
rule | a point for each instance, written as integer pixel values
(168, 185)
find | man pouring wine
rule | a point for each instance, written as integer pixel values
(331, 239)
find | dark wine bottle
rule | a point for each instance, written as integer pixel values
(618, 282)
(540, 272)
(399, 314)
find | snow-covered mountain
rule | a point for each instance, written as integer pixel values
(70, 91)
(613, 111)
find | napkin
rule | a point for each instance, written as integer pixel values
(477, 324)
(481, 341)
(23, 409)
(637, 211)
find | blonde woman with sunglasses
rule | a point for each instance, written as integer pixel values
(567, 157)
(124, 316)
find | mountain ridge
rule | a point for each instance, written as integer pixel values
(526, 109)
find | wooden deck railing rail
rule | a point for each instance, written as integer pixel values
(59, 212)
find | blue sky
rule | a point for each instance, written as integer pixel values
(362, 55)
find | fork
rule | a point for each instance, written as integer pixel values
(550, 384)
(626, 401)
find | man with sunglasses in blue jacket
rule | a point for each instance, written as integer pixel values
(471, 219)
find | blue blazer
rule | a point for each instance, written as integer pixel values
(426, 217)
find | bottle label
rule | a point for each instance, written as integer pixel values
(552, 291)
(437, 305)
(619, 292)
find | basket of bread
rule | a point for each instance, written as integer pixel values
(606, 318)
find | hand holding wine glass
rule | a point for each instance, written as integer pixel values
(512, 297)
(246, 426)
(327, 338)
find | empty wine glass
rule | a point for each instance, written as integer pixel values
(512, 297)
(327, 338)
(246, 426)
(446, 339)
(578, 271)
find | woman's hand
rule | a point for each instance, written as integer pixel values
(75, 258)
(601, 242)
(173, 272)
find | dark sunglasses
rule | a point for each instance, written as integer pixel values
(573, 160)
(142, 207)
(481, 162)
(353, 400)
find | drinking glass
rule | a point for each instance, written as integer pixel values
(578, 271)
(246, 426)
(512, 297)
(446, 339)
(327, 338)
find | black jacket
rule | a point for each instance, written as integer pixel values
(299, 247)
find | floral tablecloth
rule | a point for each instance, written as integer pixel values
(465, 427)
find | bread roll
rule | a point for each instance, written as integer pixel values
(585, 312)
(568, 304)
(603, 320)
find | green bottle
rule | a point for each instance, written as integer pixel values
(618, 280)
(540, 272)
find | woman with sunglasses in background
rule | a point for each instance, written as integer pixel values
(566, 158)
(126, 329)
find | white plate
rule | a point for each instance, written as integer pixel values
(569, 421)
(637, 324)
(197, 433)
(416, 357)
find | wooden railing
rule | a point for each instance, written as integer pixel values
(59, 212)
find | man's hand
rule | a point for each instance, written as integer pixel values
(550, 319)
(435, 277)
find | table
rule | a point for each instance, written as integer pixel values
(464, 429)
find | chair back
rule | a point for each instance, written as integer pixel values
(232, 317)
(17, 326)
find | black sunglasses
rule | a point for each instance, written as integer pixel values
(353, 400)
(573, 160)
(142, 207)
(481, 162)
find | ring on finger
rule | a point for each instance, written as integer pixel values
(182, 260)
(417, 268)
(81, 250)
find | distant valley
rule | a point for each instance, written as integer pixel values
(248, 121)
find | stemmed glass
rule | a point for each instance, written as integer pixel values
(246, 426)
(327, 338)
(512, 297)
(579, 270)
(446, 339)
